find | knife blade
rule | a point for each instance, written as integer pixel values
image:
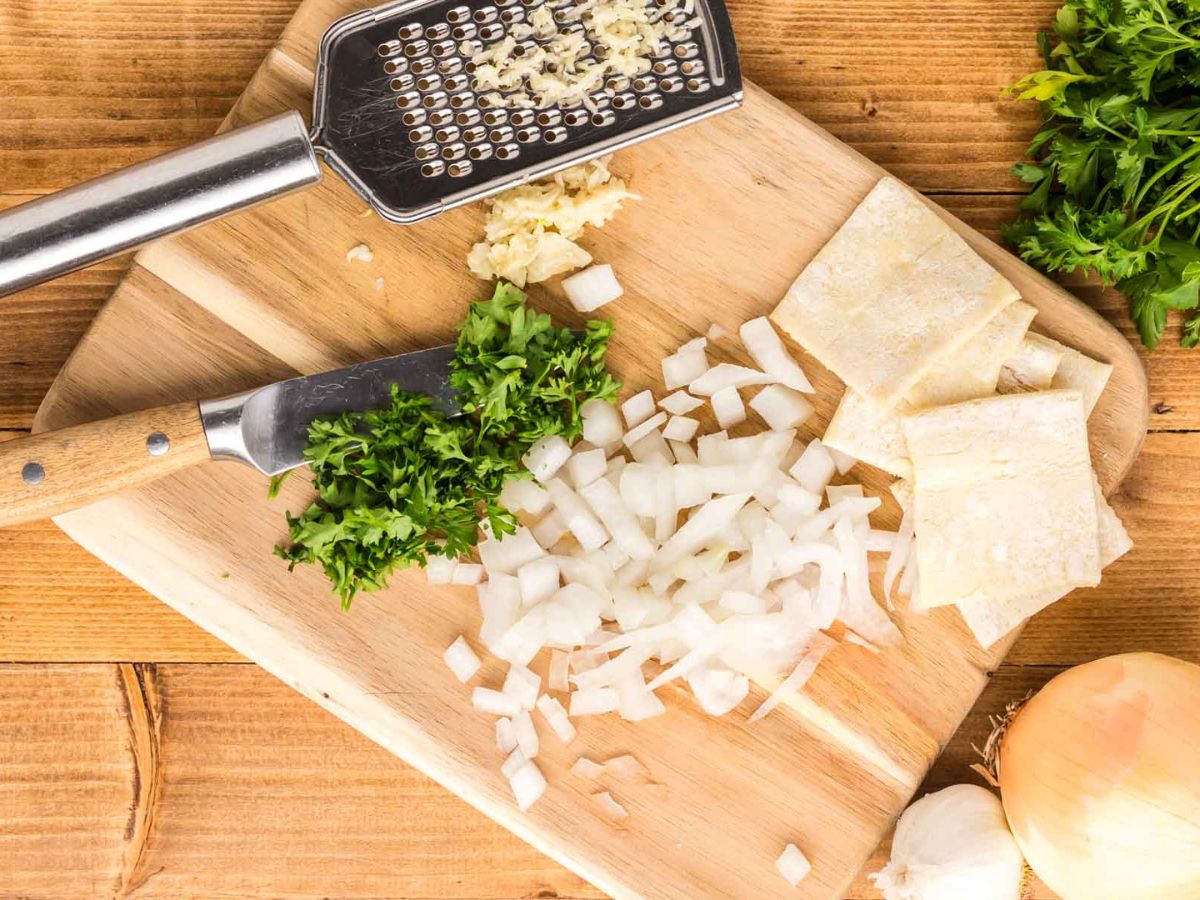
(57, 471)
(268, 427)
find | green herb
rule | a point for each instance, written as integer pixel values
(1114, 172)
(399, 484)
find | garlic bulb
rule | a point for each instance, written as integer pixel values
(953, 845)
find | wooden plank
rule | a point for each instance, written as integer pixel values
(247, 789)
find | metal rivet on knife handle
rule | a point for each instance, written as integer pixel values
(33, 473)
(157, 444)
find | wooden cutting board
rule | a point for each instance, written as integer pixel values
(731, 210)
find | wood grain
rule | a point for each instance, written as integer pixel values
(89, 462)
(265, 794)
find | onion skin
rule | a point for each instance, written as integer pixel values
(1100, 780)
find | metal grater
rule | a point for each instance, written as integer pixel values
(397, 115)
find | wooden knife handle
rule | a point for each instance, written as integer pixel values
(56, 471)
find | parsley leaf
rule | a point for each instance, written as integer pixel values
(399, 484)
(1114, 172)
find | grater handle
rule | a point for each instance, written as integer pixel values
(92, 221)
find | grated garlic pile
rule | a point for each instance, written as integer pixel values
(530, 231)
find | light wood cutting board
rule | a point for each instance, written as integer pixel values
(731, 211)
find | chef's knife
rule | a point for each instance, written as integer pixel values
(57, 471)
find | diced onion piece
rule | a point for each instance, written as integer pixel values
(538, 580)
(767, 350)
(527, 738)
(586, 768)
(683, 368)
(701, 527)
(586, 528)
(585, 660)
(360, 253)
(601, 423)
(718, 690)
(593, 701)
(526, 495)
(467, 574)
(627, 768)
(680, 428)
(550, 530)
(440, 569)
(683, 452)
(640, 431)
(586, 467)
(609, 806)
(547, 456)
(622, 524)
(727, 375)
(781, 407)
(461, 659)
(637, 488)
(556, 678)
(807, 502)
(500, 604)
(809, 660)
(814, 468)
(521, 643)
(680, 403)
(652, 448)
(716, 332)
(496, 703)
(638, 409)
(844, 461)
(527, 785)
(556, 717)
(509, 552)
(592, 288)
(742, 603)
(793, 865)
(514, 761)
(506, 736)
(523, 684)
(637, 702)
(728, 407)
(696, 343)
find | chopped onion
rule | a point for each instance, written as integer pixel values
(601, 424)
(527, 738)
(547, 456)
(716, 332)
(815, 467)
(593, 701)
(627, 768)
(680, 428)
(606, 502)
(726, 375)
(506, 737)
(718, 691)
(524, 685)
(586, 528)
(703, 525)
(508, 553)
(653, 448)
(781, 407)
(609, 806)
(556, 679)
(809, 661)
(525, 495)
(637, 409)
(538, 580)
(742, 603)
(793, 865)
(767, 350)
(592, 288)
(513, 762)
(683, 368)
(728, 407)
(461, 659)
(586, 467)
(440, 569)
(586, 768)
(527, 785)
(495, 703)
(500, 603)
(844, 461)
(680, 403)
(556, 717)
(637, 703)
(468, 574)
(640, 431)
(637, 488)
(683, 452)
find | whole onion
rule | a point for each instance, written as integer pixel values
(1100, 779)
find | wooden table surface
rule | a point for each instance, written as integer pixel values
(141, 757)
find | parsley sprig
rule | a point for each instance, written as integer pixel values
(399, 484)
(1114, 172)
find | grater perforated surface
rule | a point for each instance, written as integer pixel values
(397, 112)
